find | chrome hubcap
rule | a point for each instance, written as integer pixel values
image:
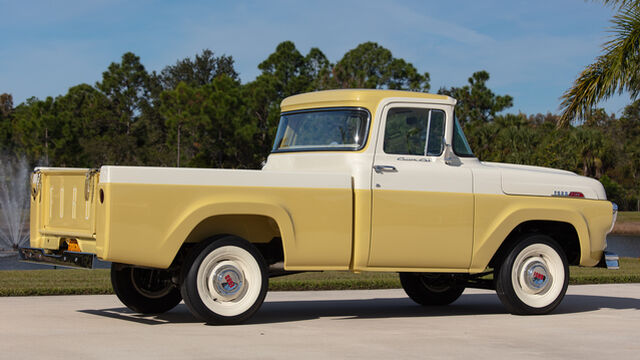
(227, 282)
(535, 277)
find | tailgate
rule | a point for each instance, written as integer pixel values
(63, 203)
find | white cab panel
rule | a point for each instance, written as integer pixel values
(222, 177)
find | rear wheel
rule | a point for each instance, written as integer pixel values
(533, 277)
(224, 281)
(146, 291)
(430, 289)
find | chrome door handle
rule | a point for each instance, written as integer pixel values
(384, 168)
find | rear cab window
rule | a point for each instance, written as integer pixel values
(333, 129)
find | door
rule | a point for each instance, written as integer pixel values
(422, 210)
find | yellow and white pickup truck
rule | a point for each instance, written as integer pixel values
(358, 180)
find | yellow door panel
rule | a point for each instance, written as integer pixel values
(414, 229)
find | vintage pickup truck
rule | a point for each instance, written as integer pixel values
(358, 180)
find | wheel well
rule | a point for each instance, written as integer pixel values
(563, 233)
(256, 229)
(272, 251)
(262, 231)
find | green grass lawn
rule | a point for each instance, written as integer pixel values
(76, 282)
(628, 216)
(628, 223)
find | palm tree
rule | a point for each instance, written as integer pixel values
(615, 71)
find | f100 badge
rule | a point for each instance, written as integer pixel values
(568, 193)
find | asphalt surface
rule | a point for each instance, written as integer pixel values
(594, 321)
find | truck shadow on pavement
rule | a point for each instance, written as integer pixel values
(291, 311)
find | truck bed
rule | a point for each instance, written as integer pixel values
(143, 215)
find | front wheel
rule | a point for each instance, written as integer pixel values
(145, 291)
(224, 281)
(533, 277)
(430, 289)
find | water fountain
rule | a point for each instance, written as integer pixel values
(14, 202)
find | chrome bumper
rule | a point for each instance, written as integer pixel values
(69, 259)
(614, 209)
(610, 261)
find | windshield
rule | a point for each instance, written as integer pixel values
(326, 129)
(460, 144)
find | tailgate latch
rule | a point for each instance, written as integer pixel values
(88, 184)
(36, 183)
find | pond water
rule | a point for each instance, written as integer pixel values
(623, 245)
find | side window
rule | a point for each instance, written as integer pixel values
(435, 144)
(407, 130)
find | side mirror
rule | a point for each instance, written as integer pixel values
(450, 158)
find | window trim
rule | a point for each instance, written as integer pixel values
(444, 131)
(426, 142)
(357, 108)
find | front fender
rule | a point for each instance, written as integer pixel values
(498, 215)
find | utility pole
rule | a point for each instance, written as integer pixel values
(178, 159)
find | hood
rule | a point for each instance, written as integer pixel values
(541, 181)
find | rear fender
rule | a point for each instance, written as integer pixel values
(184, 226)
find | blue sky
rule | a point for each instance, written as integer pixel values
(533, 50)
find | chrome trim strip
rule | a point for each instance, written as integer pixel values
(61, 170)
(426, 141)
(69, 234)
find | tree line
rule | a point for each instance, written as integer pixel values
(197, 113)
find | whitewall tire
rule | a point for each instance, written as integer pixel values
(534, 276)
(224, 281)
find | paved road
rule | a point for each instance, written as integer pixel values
(593, 322)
